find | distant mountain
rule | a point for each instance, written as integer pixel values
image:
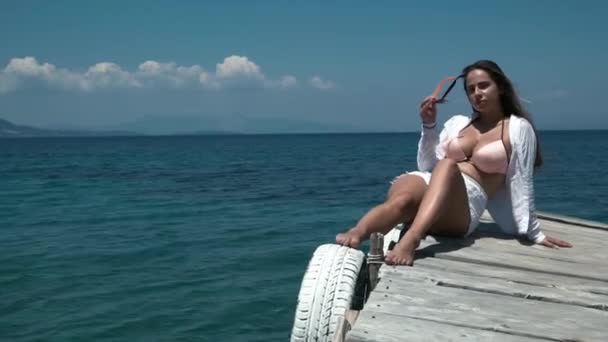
(269, 125)
(9, 129)
(206, 132)
(229, 124)
(173, 125)
(183, 125)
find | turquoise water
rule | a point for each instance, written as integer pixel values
(205, 238)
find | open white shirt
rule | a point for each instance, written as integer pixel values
(512, 207)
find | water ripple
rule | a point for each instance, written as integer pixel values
(204, 238)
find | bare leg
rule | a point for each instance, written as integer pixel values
(444, 208)
(401, 205)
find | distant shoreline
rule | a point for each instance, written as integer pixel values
(10, 130)
(227, 134)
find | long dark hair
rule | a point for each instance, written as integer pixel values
(511, 105)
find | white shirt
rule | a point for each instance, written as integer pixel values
(512, 207)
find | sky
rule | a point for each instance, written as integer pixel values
(287, 66)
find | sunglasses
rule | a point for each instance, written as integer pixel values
(441, 84)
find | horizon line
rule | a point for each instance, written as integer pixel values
(99, 134)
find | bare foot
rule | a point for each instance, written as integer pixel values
(352, 238)
(403, 252)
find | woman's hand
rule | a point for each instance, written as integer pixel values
(555, 243)
(428, 110)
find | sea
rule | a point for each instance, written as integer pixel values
(206, 238)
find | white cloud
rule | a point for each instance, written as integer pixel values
(29, 67)
(100, 75)
(319, 83)
(232, 71)
(288, 81)
(153, 73)
(208, 81)
(108, 75)
(20, 70)
(238, 67)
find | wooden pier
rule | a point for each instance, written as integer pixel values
(491, 287)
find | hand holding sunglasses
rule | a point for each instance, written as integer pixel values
(428, 108)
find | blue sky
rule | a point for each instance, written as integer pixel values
(281, 66)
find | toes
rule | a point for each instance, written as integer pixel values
(394, 260)
(404, 262)
(341, 239)
(345, 239)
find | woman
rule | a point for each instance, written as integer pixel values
(485, 161)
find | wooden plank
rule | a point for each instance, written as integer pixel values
(546, 266)
(381, 327)
(577, 234)
(589, 245)
(508, 274)
(402, 278)
(572, 220)
(560, 230)
(509, 253)
(461, 289)
(589, 229)
(572, 232)
(489, 312)
(546, 217)
(588, 255)
(345, 324)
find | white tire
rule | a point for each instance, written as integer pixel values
(326, 292)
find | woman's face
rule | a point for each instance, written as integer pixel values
(482, 91)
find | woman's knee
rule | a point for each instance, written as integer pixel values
(447, 165)
(447, 162)
(403, 202)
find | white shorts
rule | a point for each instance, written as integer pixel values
(477, 197)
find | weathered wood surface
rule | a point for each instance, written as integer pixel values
(493, 288)
(345, 325)
(400, 329)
